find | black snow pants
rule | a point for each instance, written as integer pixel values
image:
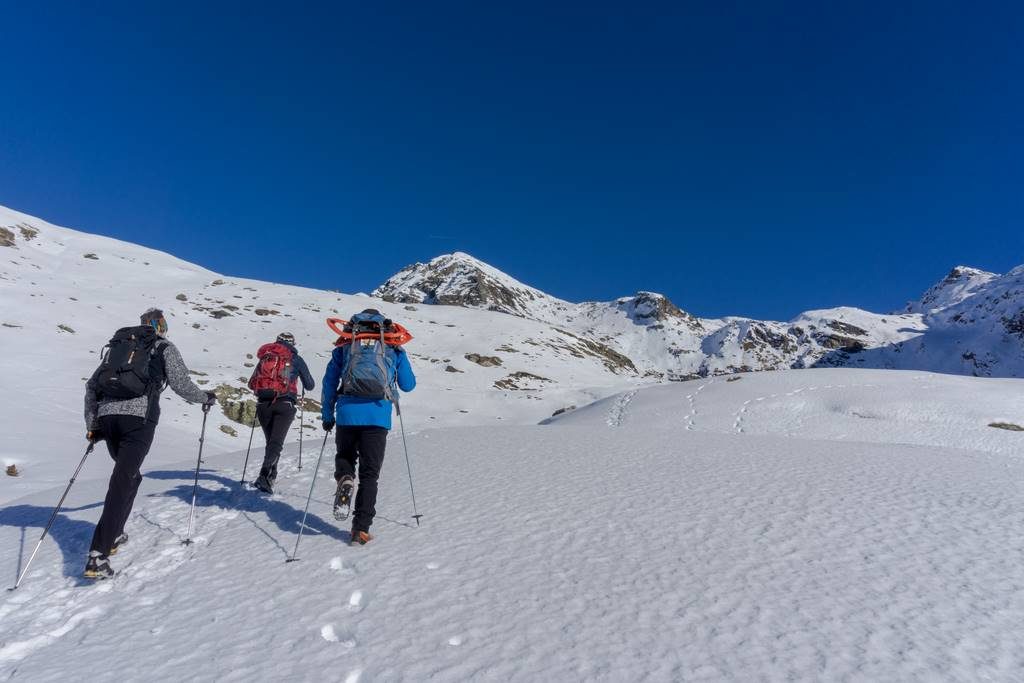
(276, 419)
(128, 440)
(365, 444)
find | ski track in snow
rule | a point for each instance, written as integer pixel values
(617, 413)
(691, 399)
(741, 413)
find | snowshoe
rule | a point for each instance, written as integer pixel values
(343, 499)
(118, 542)
(360, 537)
(264, 484)
(97, 567)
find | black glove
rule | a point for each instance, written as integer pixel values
(328, 425)
(94, 435)
(211, 399)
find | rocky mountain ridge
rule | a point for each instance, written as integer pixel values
(968, 323)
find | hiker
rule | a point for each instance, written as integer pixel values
(122, 407)
(275, 383)
(358, 393)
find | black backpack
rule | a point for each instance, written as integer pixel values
(129, 368)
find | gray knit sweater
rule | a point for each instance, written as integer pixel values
(177, 378)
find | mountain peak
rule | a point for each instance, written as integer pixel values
(960, 283)
(650, 307)
(459, 279)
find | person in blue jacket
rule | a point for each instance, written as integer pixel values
(359, 392)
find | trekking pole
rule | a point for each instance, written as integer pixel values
(195, 485)
(244, 466)
(302, 525)
(302, 419)
(415, 513)
(54, 515)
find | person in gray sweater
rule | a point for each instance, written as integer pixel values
(128, 427)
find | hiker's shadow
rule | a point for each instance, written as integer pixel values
(73, 536)
(233, 496)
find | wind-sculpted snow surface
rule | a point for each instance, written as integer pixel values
(585, 549)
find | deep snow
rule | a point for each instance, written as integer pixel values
(646, 537)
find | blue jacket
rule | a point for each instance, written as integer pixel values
(354, 411)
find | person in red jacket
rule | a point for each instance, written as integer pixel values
(276, 391)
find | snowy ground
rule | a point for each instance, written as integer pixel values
(63, 293)
(804, 525)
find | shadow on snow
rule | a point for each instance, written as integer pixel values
(73, 536)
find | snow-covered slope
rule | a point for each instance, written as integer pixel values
(488, 348)
(63, 293)
(827, 524)
(962, 283)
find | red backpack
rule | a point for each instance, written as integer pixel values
(274, 371)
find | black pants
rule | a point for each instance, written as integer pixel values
(128, 440)
(365, 444)
(276, 419)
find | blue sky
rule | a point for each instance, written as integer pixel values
(742, 159)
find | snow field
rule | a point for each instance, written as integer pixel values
(578, 550)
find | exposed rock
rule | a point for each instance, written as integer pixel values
(562, 411)
(220, 313)
(485, 361)
(92, 257)
(451, 368)
(65, 328)
(645, 307)
(847, 328)
(1009, 426)
(6, 238)
(836, 341)
(181, 297)
(612, 359)
(266, 311)
(230, 431)
(309, 405)
(236, 404)
(12, 471)
(760, 334)
(516, 380)
(1015, 324)
(216, 283)
(28, 233)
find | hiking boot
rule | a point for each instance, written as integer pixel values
(118, 542)
(264, 483)
(343, 498)
(97, 566)
(360, 537)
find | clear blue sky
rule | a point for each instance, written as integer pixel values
(742, 159)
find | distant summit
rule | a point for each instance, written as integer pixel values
(961, 283)
(459, 279)
(977, 318)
